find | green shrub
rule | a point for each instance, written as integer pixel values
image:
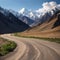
(7, 47)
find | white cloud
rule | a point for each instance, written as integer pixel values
(47, 6)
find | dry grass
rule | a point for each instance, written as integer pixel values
(43, 30)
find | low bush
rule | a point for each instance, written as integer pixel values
(7, 47)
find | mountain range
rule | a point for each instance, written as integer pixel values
(31, 22)
(49, 29)
(32, 18)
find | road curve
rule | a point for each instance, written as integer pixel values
(32, 49)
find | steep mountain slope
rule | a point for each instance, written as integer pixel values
(26, 20)
(10, 24)
(50, 28)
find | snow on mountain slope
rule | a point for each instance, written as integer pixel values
(4, 11)
(14, 12)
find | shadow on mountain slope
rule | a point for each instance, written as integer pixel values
(57, 23)
(11, 24)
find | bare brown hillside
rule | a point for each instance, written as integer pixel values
(50, 29)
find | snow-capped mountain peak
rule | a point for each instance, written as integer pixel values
(23, 11)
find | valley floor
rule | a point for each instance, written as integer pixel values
(32, 49)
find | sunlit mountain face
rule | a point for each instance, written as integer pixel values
(34, 17)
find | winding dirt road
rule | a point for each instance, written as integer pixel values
(32, 49)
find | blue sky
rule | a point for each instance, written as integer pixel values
(18, 4)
